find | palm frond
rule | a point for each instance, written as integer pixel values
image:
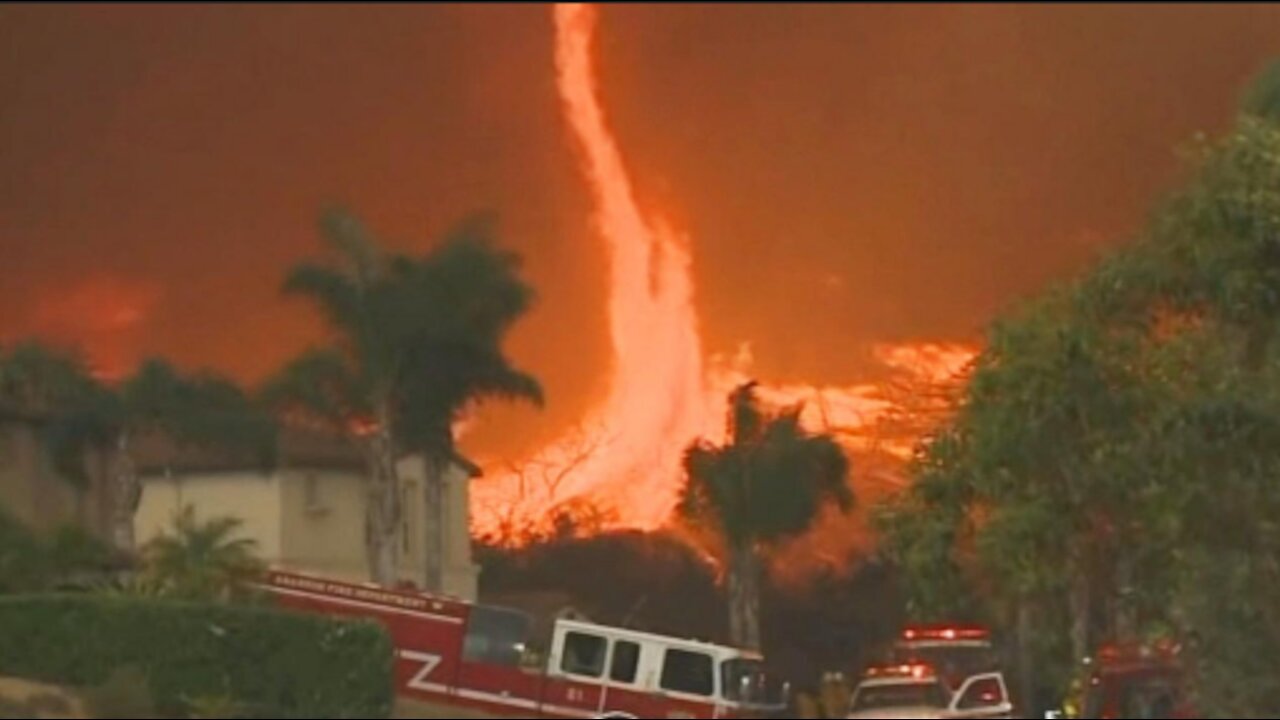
(343, 230)
(770, 481)
(332, 291)
(320, 386)
(745, 415)
(201, 560)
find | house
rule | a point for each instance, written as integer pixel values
(307, 512)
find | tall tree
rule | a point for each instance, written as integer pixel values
(468, 293)
(1117, 446)
(354, 386)
(1035, 466)
(767, 483)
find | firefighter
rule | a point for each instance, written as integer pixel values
(1073, 703)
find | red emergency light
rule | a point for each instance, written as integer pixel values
(918, 671)
(1163, 650)
(945, 632)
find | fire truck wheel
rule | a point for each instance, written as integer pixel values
(616, 716)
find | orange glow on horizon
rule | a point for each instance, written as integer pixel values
(101, 315)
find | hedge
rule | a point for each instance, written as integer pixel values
(274, 663)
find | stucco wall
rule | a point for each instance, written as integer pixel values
(323, 527)
(253, 497)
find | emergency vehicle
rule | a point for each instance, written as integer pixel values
(954, 651)
(915, 690)
(480, 660)
(1145, 682)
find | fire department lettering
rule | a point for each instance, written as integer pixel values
(429, 664)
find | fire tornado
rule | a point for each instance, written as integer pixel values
(655, 400)
(624, 459)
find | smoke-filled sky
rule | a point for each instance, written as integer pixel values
(847, 174)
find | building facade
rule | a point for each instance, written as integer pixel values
(36, 494)
(307, 514)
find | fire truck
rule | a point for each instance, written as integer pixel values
(1131, 681)
(480, 661)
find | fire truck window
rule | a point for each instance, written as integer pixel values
(495, 636)
(626, 660)
(688, 672)
(583, 654)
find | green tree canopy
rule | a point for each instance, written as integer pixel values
(1111, 465)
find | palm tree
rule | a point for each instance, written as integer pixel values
(768, 483)
(416, 339)
(82, 415)
(200, 560)
(470, 294)
(353, 386)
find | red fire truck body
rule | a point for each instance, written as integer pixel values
(473, 658)
(1145, 681)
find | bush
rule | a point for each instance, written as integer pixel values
(31, 561)
(276, 664)
(125, 694)
(22, 557)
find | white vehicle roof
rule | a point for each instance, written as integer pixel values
(926, 680)
(720, 652)
(896, 680)
(899, 713)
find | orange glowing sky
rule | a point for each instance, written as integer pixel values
(848, 175)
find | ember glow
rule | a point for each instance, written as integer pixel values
(623, 461)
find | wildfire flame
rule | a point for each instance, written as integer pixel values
(623, 462)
